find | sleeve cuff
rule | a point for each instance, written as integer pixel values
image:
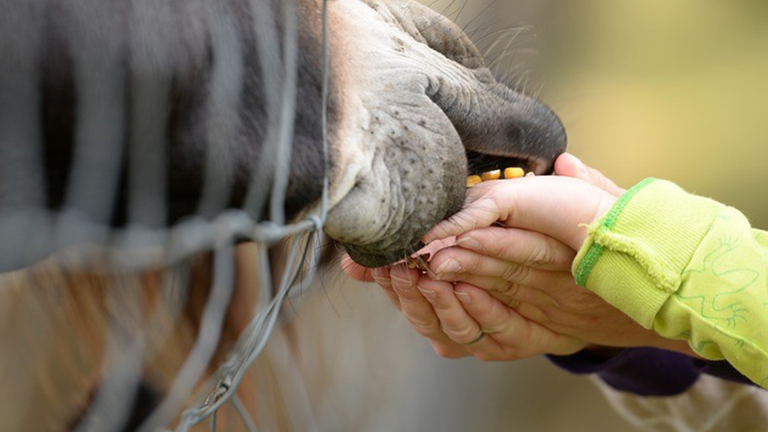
(640, 371)
(634, 257)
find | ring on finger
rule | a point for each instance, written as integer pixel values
(477, 339)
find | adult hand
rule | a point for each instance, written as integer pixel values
(465, 320)
(526, 272)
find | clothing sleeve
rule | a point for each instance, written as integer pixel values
(646, 371)
(686, 267)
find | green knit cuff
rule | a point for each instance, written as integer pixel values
(586, 262)
(635, 255)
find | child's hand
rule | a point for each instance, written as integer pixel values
(555, 206)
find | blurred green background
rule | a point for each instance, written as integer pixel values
(670, 89)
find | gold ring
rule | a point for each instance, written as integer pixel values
(477, 339)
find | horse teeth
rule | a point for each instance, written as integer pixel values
(509, 173)
(473, 180)
(513, 173)
(491, 175)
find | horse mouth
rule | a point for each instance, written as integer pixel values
(479, 163)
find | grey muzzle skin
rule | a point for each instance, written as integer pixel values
(525, 133)
(472, 121)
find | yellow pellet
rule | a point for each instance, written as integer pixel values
(513, 173)
(491, 175)
(473, 180)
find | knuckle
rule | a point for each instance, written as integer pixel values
(425, 327)
(462, 336)
(494, 329)
(441, 305)
(512, 303)
(510, 289)
(407, 293)
(515, 272)
(540, 257)
(470, 264)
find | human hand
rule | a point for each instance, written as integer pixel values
(531, 272)
(527, 273)
(464, 320)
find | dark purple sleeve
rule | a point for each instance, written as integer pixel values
(647, 371)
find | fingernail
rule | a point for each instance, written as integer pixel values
(464, 297)
(429, 294)
(449, 266)
(380, 276)
(468, 242)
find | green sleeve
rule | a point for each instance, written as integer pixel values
(687, 267)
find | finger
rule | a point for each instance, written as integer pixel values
(382, 279)
(454, 320)
(538, 305)
(532, 304)
(417, 310)
(568, 165)
(511, 294)
(355, 270)
(456, 264)
(546, 204)
(495, 321)
(490, 314)
(448, 349)
(516, 336)
(394, 299)
(528, 248)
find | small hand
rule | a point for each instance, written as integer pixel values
(557, 206)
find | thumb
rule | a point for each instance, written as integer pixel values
(568, 165)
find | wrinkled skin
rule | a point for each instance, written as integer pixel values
(416, 96)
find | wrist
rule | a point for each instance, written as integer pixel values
(606, 203)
